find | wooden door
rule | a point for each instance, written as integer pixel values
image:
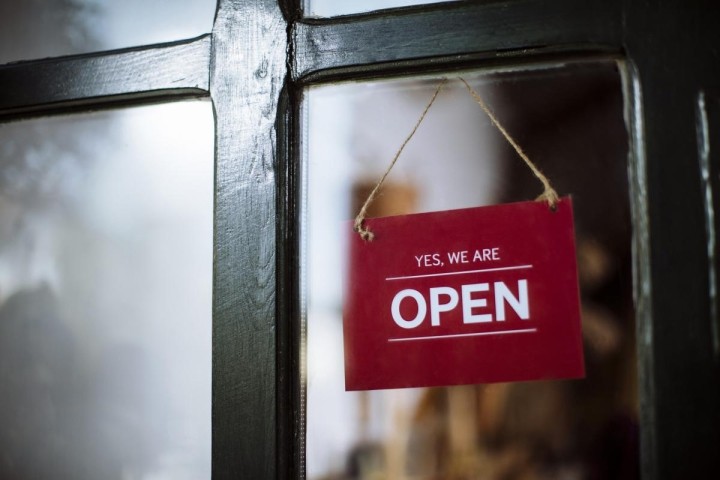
(254, 67)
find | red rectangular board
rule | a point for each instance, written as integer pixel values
(477, 295)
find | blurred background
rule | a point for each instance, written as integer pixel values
(105, 263)
(568, 117)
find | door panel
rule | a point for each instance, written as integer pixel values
(105, 294)
(568, 117)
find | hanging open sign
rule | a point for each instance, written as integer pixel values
(477, 295)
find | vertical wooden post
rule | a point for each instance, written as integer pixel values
(248, 68)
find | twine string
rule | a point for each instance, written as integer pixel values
(359, 225)
(549, 194)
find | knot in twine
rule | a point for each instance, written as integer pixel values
(548, 195)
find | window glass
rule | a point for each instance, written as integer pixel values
(330, 8)
(105, 294)
(569, 119)
(31, 29)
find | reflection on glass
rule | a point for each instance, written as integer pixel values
(569, 119)
(330, 8)
(105, 294)
(31, 29)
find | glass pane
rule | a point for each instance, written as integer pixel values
(330, 8)
(569, 119)
(31, 29)
(105, 294)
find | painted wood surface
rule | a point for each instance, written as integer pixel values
(376, 41)
(673, 50)
(248, 59)
(176, 70)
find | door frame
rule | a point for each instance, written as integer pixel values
(254, 67)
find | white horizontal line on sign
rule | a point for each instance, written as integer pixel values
(477, 334)
(499, 269)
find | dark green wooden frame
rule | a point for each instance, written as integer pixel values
(254, 66)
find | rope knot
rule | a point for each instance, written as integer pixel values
(364, 233)
(550, 196)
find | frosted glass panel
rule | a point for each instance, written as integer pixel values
(330, 8)
(105, 294)
(31, 29)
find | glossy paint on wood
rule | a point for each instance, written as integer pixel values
(451, 32)
(248, 70)
(671, 50)
(149, 74)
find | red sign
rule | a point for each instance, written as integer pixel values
(477, 295)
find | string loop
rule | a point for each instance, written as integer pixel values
(548, 195)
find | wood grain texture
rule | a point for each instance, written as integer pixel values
(249, 67)
(176, 69)
(673, 48)
(452, 30)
